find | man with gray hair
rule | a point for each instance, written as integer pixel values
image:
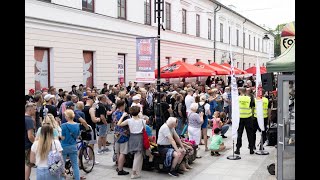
(189, 99)
(226, 96)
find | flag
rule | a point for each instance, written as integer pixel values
(259, 95)
(234, 101)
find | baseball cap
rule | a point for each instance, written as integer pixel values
(132, 92)
(31, 90)
(73, 86)
(80, 85)
(48, 97)
(44, 89)
(69, 104)
(135, 98)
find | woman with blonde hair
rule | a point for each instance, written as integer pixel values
(50, 120)
(40, 150)
(70, 133)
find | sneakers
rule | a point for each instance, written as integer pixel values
(135, 176)
(100, 152)
(173, 173)
(251, 151)
(122, 172)
(237, 151)
(96, 162)
(106, 149)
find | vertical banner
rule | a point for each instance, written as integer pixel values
(121, 68)
(286, 42)
(259, 95)
(145, 60)
(41, 57)
(88, 68)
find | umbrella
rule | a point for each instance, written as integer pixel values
(289, 30)
(180, 69)
(253, 69)
(217, 70)
(236, 70)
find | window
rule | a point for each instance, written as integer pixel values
(209, 61)
(168, 16)
(184, 59)
(258, 44)
(249, 41)
(168, 60)
(244, 40)
(244, 66)
(184, 21)
(147, 12)
(254, 43)
(121, 68)
(263, 46)
(209, 28)
(221, 32)
(229, 34)
(237, 37)
(88, 5)
(249, 65)
(122, 9)
(42, 68)
(88, 68)
(198, 25)
(237, 64)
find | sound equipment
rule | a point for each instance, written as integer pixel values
(268, 81)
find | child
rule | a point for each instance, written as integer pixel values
(216, 144)
(216, 121)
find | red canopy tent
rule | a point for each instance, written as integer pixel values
(222, 67)
(253, 69)
(217, 70)
(236, 70)
(180, 69)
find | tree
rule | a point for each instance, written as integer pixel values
(277, 39)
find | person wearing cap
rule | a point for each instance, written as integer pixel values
(49, 107)
(189, 99)
(29, 97)
(104, 89)
(101, 112)
(79, 117)
(136, 102)
(44, 90)
(73, 90)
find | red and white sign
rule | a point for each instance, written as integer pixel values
(41, 56)
(88, 68)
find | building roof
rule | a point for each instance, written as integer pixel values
(231, 10)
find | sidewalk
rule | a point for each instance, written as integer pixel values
(249, 167)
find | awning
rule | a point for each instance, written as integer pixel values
(180, 69)
(284, 63)
(236, 70)
(217, 70)
(253, 69)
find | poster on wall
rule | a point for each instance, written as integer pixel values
(87, 68)
(145, 56)
(41, 57)
(286, 42)
(121, 68)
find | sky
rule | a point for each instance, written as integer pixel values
(265, 12)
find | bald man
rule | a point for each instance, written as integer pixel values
(82, 119)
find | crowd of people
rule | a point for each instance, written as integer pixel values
(181, 120)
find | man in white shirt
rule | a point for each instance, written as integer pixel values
(189, 99)
(136, 102)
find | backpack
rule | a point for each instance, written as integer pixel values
(201, 108)
(55, 162)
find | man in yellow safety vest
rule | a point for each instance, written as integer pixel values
(266, 116)
(245, 105)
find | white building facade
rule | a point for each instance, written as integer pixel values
(94, 41)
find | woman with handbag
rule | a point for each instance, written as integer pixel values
(70, 133)
(135, 143)
(40, 150)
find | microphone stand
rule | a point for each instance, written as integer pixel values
(233, 157)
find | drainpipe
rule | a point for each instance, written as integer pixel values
(214, 32)
(243, 39)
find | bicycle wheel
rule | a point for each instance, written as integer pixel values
(87, 159)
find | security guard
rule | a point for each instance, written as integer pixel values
(245, 105)
(266, 116)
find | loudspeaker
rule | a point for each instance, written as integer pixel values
(268, 81)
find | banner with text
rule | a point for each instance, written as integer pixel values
(145, 53)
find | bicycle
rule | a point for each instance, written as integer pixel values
(86, 154)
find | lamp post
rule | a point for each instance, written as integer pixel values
(266, 38)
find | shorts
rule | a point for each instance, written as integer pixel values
(93, 136)
(121, 148)
(163, 150)
(102, 130)
(205, 122)
(27, 157)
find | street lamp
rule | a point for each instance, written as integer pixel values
(266, 38)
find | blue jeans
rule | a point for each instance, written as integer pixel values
(44, 174)
(224, 129)
(72, 152)
(180, 126)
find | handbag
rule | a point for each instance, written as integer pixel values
(55, 162)
(146, 142)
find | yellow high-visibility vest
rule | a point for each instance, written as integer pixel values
(265, 102)
(244, 105)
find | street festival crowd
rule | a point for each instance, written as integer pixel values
(54, 120)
